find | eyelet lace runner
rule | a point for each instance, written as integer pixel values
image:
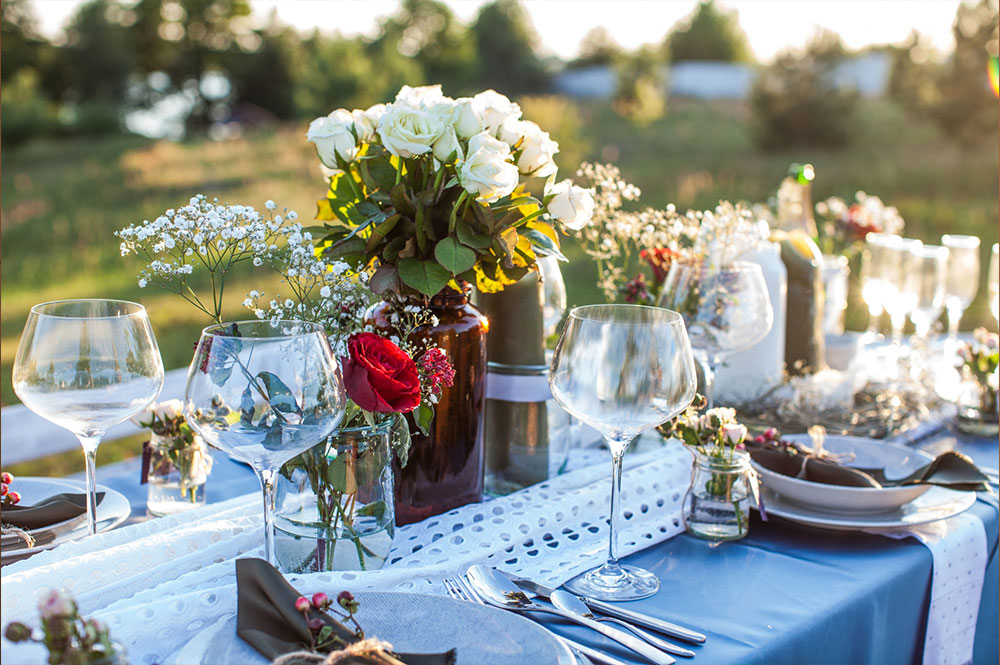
(156, 584)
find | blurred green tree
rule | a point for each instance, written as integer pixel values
(263, 76)
(797, 102)
(98, 54)
(709, 33)
(966, 107)
(508, 50)
(19, 37)
(597, 47)
(915, 70)
(641, 94)
(429, 33)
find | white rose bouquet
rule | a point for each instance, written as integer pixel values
(429, 191)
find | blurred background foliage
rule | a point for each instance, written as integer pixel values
(242, 93)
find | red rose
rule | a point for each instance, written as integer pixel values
(380, 376)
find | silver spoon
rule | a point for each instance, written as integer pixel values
(500, 592)
(570, 603)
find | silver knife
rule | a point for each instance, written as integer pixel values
(637, 618)
(592, 654)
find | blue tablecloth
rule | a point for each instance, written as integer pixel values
(785, 594)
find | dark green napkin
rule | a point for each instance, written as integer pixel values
(54, 509)
(951, 470)
(267, 620)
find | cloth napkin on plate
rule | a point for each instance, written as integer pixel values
(951, 470)
(52, 510)
(266, 618)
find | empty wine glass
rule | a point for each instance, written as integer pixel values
(726, 310)
(621, 369)
(961, 278)
(264, 392)
(553, 294)
(87, 365)
(877, 286)
(929, 265)
(994, 276)
(903, 296)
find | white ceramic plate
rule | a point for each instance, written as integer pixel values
(412, 623)
(898, 461)
(112, 511)
(937, 504)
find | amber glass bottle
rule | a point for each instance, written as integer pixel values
(445, 469)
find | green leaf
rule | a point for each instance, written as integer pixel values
(374, 509)
(367, 208)
(423, 415)
(542, 244)
(279, 396)
(336, 472)
(392, 250)
(399, 439)
(401, 202)
(378, 172)
(427, 277)
(469, 237)
(386, 278)
(454, 256)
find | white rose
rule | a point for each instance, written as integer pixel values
(467, 117)
(537, 151)
(415, 96)
(334, 135)
(734, 433)
(572, 205)
(408, 131)
(496, 109)
(366, 121)
(486, 172)
(446, 145)
(169, 409)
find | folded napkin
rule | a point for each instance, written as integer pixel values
(54, 509)
(267, 620)
(951, 470)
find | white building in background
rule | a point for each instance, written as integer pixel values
(868, 74)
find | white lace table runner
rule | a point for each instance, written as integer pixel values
(158, 583)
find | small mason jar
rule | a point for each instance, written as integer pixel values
(334, 502)
(978, 407)
(177, 484)
(717, 504)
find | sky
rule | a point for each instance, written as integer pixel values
(771, 25)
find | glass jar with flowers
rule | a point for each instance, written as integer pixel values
(430, 193)
(176, 461)
(717, 503)
(978, 407)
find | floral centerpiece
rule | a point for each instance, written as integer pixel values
(176, 462)
(717, 503)
(69, 638)
(844, 226)
(978, 405)
(431, 195)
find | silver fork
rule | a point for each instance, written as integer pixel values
(460, 589)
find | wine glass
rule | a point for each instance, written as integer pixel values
(264, 392)
(553, 294)
(993, 286)
(726, 310)
(876, 285)
(87, 365)
(929, 265)
(961, 278)
(903, 296)
(621, 369)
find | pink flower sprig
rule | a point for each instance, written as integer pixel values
(70, 638)
(436, 372)
(321, 635)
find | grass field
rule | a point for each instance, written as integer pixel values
(61, 201)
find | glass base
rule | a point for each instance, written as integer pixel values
(614, 583)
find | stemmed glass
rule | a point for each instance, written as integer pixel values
(993, 286)
(87, 365)
(929, 265)
(264, 392)
(726, 310)
(877, 278)
(902, 298)
(961, 278)
(621, 369)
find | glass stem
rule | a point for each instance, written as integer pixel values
(618, 447)
(954, 316)
(874, 314)
(266, 477)
(90, 444)
(708, 369)
(898, 321)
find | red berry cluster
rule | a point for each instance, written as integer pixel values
(320, 633)
(770, 434)
(435, 370)
(10, 497)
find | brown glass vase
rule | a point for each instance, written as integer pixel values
(445, 468)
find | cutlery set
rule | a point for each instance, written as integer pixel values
(489, 586)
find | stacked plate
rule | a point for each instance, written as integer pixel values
(111, 512)
(854, 508)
